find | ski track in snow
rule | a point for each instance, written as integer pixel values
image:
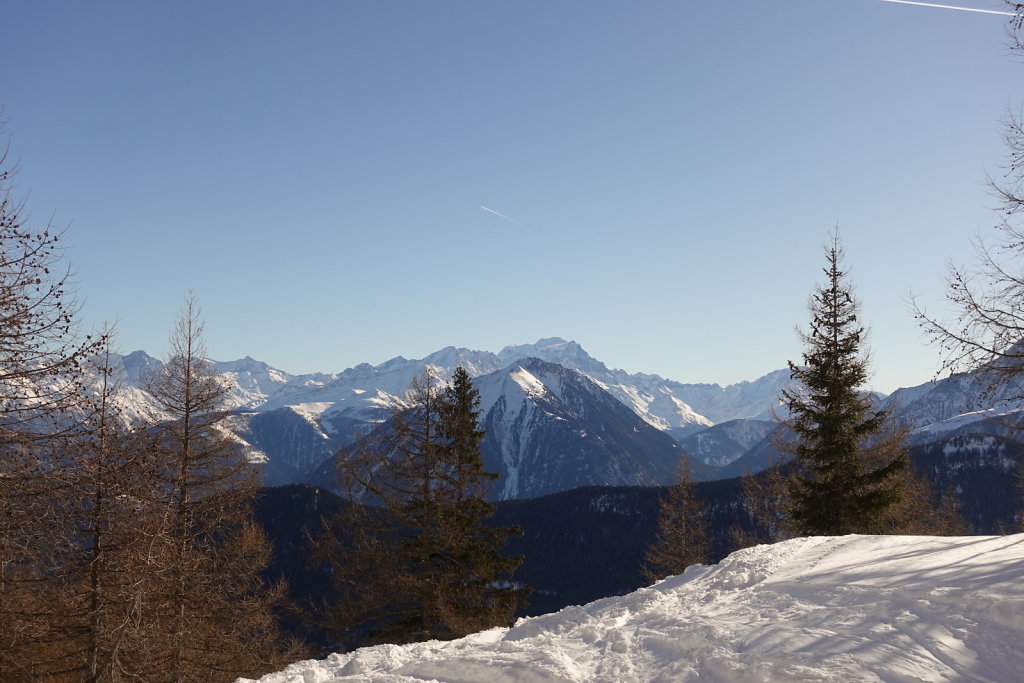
(849, 608)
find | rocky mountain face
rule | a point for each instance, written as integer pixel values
(549, 428)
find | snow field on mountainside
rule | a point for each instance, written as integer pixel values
(848, 608)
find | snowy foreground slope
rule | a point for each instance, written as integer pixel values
(848, 608)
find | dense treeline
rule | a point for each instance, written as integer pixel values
(588, 543)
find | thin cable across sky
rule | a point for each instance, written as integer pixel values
(962, 9)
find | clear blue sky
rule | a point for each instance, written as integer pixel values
(315, 171)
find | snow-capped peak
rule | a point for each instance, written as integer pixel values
(555, 350)
(532, 386)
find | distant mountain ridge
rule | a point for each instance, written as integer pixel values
(364, 391)
(542, 439)
(556, 417)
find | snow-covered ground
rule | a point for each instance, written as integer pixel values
(848, 608)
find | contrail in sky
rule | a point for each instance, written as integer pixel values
(962, 9)
(500, 215)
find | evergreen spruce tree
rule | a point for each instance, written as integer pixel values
(837, 488)
(682, 537)
(413, 489)
(439, 572)
(479, 594)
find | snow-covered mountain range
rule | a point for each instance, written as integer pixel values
(362, 392)
(555, 416)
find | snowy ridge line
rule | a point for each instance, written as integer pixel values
(844, 608)
(360, 390)
(364, 390)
